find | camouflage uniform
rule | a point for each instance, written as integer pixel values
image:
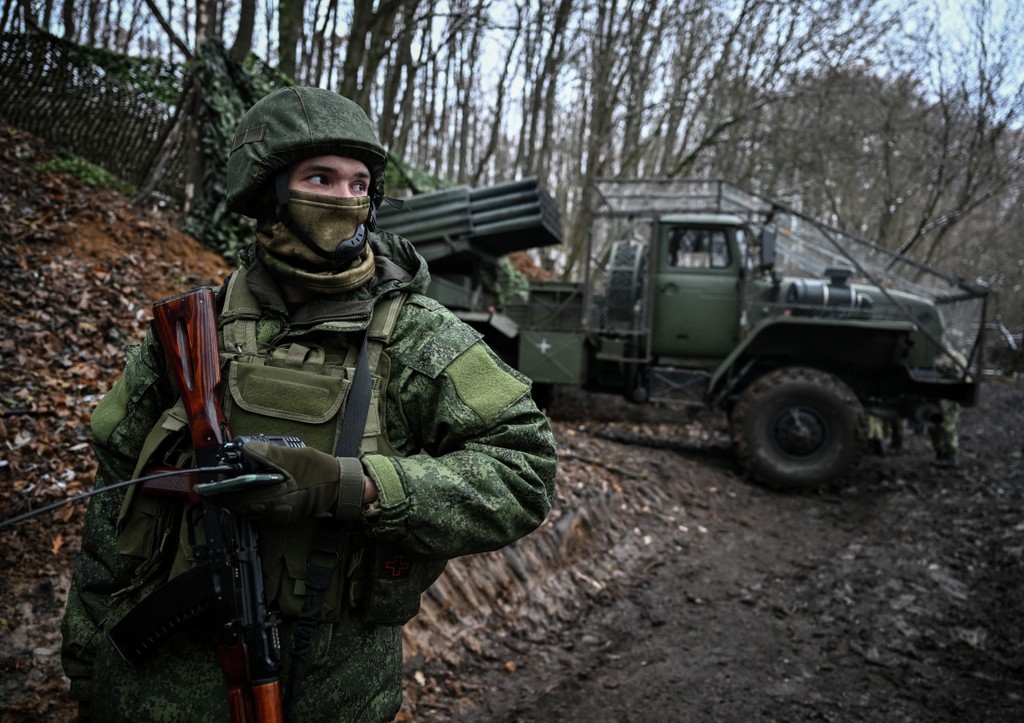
(881, 431)
(943, 434)
(942, 430)
(466, 464)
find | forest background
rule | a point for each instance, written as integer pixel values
(900, 122)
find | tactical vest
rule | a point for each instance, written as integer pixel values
(293, 389)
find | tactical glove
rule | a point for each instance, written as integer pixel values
(316, 485)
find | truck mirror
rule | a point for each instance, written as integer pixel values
(768, 233)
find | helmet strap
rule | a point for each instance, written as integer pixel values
(378, 199)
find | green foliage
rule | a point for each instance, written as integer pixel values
(402, 177)
(508, 283)
(89, 173)
(157, 78)
(228, 89)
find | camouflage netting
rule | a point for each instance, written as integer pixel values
(120, 113)
(125, 114)
(108, 109)
(228, 89)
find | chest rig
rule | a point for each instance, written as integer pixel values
(323, 386)
(280, 381)
(299, 382)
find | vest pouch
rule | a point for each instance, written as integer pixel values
(264, 399)
(148, 524)
(286, 562)
(396, 581)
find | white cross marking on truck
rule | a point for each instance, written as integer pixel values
(544, 346)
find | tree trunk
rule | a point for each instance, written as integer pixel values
(289, 33)
(172, 36)
(318, 45)
(398, 80)
(246, 29)
(67, 13)
(371, 32)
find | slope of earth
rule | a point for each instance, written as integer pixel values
(79, 271)
(663, 586)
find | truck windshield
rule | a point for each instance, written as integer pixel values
(698, 248)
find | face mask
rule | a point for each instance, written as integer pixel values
(323, 282)
(334, 226)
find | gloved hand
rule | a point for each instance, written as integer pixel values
(316, 485)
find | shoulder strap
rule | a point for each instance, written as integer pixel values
(382, 325)
(357, 406)
(330, 534)
(239, 315)
(385, 316)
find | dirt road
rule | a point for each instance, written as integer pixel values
(897, 597)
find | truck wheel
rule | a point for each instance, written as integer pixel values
(798, 428)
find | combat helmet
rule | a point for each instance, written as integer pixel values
(289, 125)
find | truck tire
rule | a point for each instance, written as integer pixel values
(798, 428)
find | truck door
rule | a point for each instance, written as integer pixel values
(696, 300)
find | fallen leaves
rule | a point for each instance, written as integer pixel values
(79, 271)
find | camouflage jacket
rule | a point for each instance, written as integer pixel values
(468, 466)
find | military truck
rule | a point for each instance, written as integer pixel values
(699, 292)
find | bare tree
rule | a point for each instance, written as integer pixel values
(318, 51)
(398, 86)
(550, 44)
(978, 114)
(369, 42)
(289, 34)
(67, 13)
(903, 158)
(490, 148)
(173, 38)
(246, 28)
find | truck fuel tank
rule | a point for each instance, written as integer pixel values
(835, 297)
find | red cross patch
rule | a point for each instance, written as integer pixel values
(396, 566)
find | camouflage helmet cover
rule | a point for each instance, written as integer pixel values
(292, 124)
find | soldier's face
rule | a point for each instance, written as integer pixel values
(336, 176)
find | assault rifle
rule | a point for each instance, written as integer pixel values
(228, 581)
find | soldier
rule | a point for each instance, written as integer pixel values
(455, 457)
(943, 434)
(877, 434)
(882, 430)
(942, 429)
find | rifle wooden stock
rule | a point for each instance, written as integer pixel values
(187, 328)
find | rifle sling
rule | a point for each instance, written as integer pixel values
(325, 554)
(162, 613)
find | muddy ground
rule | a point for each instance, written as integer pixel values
(665, 586)
(896, 597)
